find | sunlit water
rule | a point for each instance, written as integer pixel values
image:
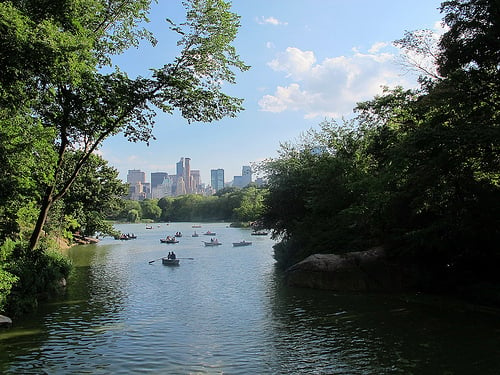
(226, 311)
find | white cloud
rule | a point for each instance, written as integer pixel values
(293, 61)
(333, 86)
(271, 21)
(377, 47)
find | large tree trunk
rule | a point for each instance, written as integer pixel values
(42, 217)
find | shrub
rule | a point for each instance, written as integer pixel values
(39, 274)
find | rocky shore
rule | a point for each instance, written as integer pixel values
(363, 271)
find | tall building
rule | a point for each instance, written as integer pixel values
(138, 189)
(217, 179)
(136, 175)
(244, 179)
(187, 175)
(246, 173)
(164, 189)
(157, 179)
(195, 181)
(179, 166)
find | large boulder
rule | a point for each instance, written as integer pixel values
(363, 271)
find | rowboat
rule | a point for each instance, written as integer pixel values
(259, 233)
(242, 243)
(169, 240)
(208, 233)
(170, 262)
(212, 243)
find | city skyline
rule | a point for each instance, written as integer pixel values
(244, 170)
(185, 180)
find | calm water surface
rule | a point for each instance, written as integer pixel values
(226, 311)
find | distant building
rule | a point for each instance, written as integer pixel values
(246, 174)
(165, 189)
(245, 178)
(180, 187)
(260, 182)
(217, 179)
(179, 168)
(157, 179)
(135, 176)
(138, 189)
(196, 186)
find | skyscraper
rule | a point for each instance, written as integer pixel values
(246, 173)
(157, 178)
(137, 184)
(244, 179)
(195, 181)
(217, 179)
(179, 166)
(136, 175)
(187, 175)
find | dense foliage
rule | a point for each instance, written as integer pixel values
(417, 171)
(229, 204)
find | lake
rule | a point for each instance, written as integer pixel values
(225, 310)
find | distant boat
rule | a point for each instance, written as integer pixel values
(149, 227)
(242, 243)
(126, 237)
(196, 226)
(170, 262)
(208, 233)
(169, 240)
(195, 234)
(212, 243)
(259, 233)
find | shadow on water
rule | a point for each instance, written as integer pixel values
(325, 332)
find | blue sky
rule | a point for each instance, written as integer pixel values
(310, 60)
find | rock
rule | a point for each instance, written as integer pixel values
(363, 271)
(5, 321)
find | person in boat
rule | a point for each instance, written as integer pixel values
(172, 255)
(169, 256)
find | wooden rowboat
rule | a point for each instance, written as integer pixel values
(170, 262)
(242, 243)
(212, 243)
(168, 240)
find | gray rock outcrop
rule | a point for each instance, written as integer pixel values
(363, 271)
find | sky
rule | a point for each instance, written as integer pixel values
(311, 60)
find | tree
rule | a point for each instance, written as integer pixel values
(150, 209)
(24, 157)
(252, 204)
(52, 54)
(95, 194)
(419, 173)
(472, 41)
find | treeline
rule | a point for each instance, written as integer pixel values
(228, 204)
(417, 171)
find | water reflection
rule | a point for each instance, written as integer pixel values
(325, 332)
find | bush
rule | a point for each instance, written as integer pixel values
(39, 274)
